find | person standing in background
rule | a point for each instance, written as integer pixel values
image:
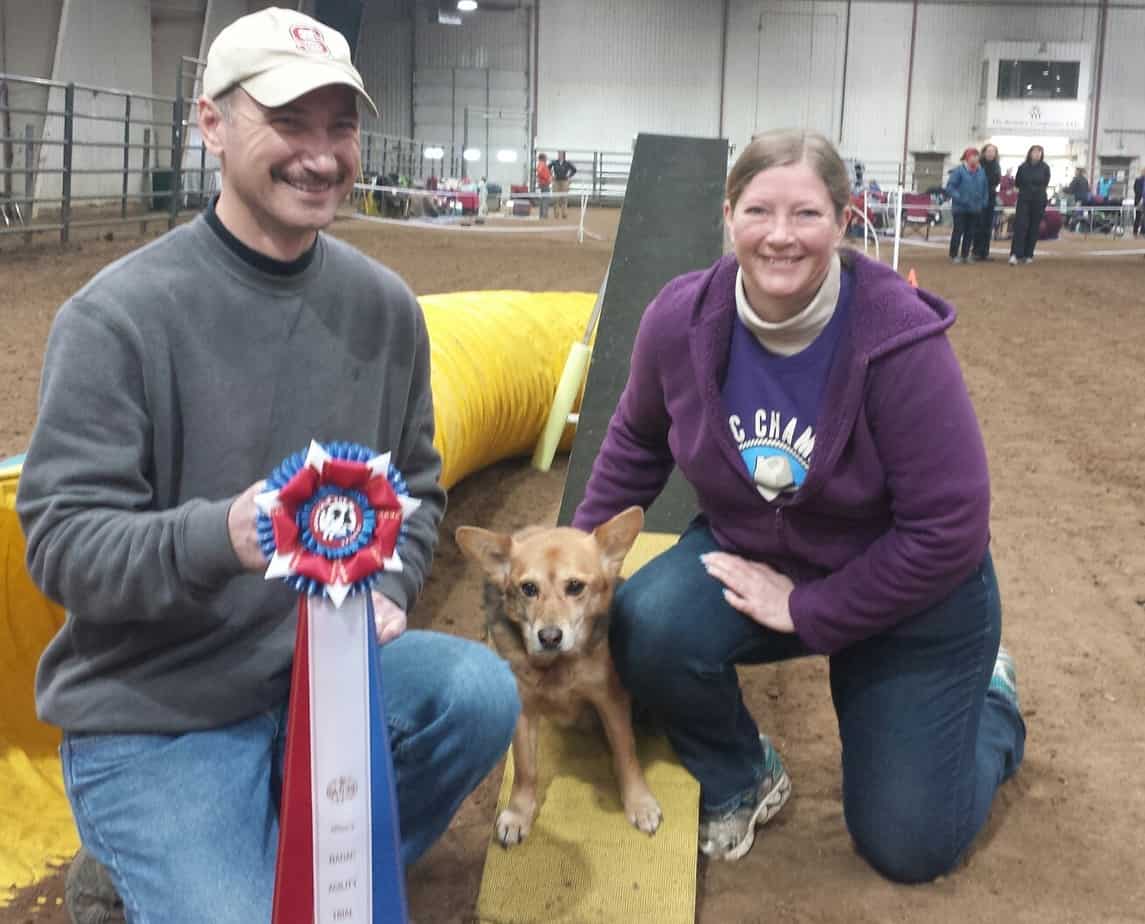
(1139, 204)
(1031, 181)
(1079, 187)
(544, 183)
(985, 228)
(967, 190)
(563, 171)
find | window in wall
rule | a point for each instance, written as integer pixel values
(984, 86)
(1038, 79)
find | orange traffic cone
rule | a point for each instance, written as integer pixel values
(912, 278)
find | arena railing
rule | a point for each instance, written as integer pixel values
(601, 175)
(73, 155)
(1112, 219)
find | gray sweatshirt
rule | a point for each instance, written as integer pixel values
(172, 381)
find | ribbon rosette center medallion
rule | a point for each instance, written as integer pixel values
(332, 520)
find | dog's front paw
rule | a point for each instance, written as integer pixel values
(643, 811)
(513, 826)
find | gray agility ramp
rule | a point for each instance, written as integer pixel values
(671, 223)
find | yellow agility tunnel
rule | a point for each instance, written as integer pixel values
(496, 357)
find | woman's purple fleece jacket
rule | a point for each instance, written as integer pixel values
(894, 512)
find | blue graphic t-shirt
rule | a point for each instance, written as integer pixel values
(773, 401)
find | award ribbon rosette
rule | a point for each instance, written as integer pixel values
(331, 521)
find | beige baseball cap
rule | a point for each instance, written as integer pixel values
(279, 55)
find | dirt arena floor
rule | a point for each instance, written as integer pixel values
(1054, 354)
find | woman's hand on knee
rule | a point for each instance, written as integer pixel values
(758, 591)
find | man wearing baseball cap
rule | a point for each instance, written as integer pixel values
(173, 382)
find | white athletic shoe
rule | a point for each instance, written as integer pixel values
(729, 836)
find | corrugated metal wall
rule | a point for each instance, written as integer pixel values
(29, 47)
(785, 66)
(609, 70)
(108, 48)
(1123, 99)
(487, 40)
(471, 90)
(874, 102)
(945, 111)
(385, 59)
(948, 63)
(30, 31)
(176, 32)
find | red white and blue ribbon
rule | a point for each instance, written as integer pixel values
(331, 521)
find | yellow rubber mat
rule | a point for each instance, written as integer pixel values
(583, 862)
(36, 826)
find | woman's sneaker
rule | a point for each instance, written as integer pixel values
(1005, 677)
(728, 836)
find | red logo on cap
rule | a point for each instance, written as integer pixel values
(309, 40)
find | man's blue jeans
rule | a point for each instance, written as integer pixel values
(187, 825)
(925, 744)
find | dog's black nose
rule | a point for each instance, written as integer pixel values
(550, 637)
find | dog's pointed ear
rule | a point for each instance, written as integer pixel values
(488, 549)
(615, 537)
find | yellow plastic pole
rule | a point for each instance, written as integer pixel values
(567, 389)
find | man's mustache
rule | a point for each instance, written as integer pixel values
(307, 177)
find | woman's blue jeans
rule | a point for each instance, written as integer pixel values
(187, 825)
(925, 744)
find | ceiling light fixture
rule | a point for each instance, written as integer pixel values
(467, 6)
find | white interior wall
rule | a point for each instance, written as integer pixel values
(948, 74)
(29, 36)
(944, 105)
(107, 46)
(945, 112)
(784, 67)
(609, 70)
(471, 86)
(28, 48)
(487, 39)
(874, 101)
(176, 32)
(385, 59)
(1122, 97)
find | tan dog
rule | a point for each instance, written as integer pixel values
(547, 599)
